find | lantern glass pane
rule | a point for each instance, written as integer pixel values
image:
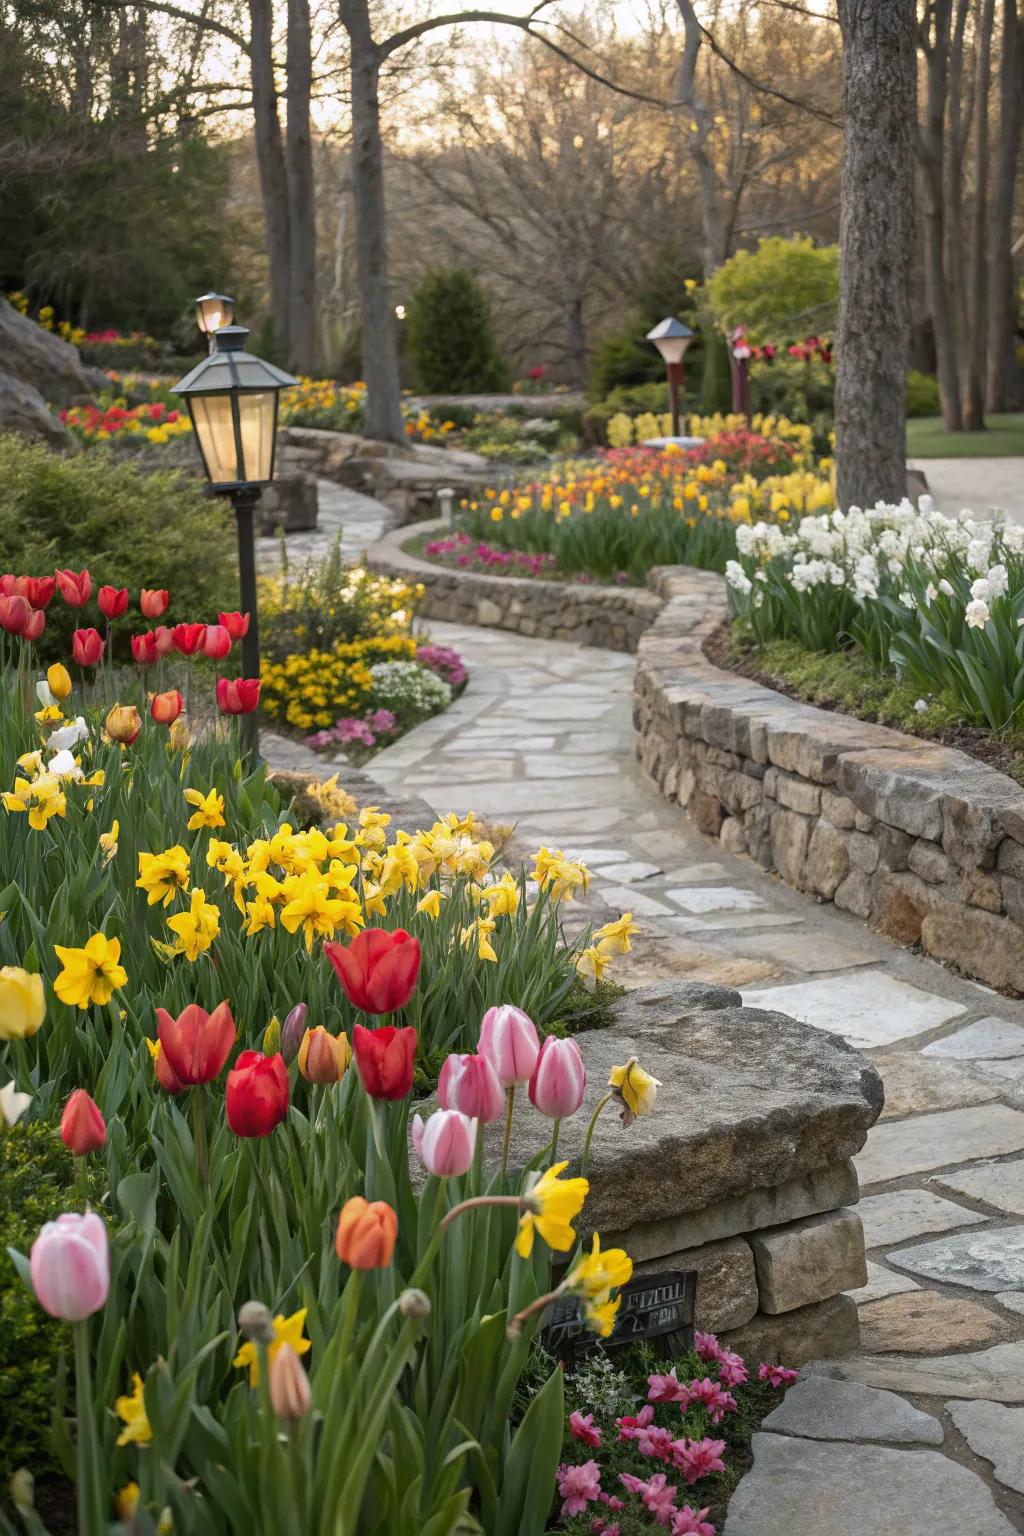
(211, 417)
(673, 347)
(256, 419)
(213, 313)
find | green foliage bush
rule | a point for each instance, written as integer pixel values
(785, 288)
(449, 337)
(922, 394)
(129, 528)
(37, 1179)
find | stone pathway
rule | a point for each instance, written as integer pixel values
(979, 484)
(359, 519)
(543, 737)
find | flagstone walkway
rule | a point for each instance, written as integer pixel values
(543, 737)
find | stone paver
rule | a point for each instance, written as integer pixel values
(820, 1409)
(997, 1433)
(882, 1282)
(980, 484)
(553, 721)
(998, 1184)
(984, 1261)
(359, 520)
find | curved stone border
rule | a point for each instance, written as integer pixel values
(924, 841)
(613, 618)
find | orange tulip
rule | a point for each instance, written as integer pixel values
(322, 1056)
(366, 1234)
(123, 724)
(166, 707)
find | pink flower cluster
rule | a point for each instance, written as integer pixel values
(448, 664)
(469, 554)
(694, 1458)
(364, 733)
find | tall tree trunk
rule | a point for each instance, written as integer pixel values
(577, 342)
(270, 161)
(959, 105)
(977, 307)
(875, 237)
(301, 197)
(1001, 371)
(380, 340)
(701, 124)
(932, 152)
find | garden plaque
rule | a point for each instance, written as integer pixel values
(653, 1306)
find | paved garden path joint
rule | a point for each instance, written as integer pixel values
(543, 737)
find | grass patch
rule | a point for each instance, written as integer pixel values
(1003, 437)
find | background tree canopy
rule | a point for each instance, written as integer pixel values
(782, 290)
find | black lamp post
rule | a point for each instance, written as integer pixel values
(672, 337)
(212, 311)
(232, 399)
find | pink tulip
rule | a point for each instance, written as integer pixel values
(216, 642)
(70, 1266)
(559, 1079)
(508, 1038)
(444, 1145)
(469, 1084)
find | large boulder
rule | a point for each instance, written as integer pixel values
(38, 369)
(23, 410)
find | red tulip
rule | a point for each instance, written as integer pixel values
(163, 639)
(238, 695)
(197, 1043)
(216, 642)
(153, 602)
(87, 647)
(166, 707)
(165, 1074)
(14, 613)
(75, 587)
(113, 601)
(40, 589)
(144, 649)
(82, 1127)
(34, 624)
(9, 585)
(385, 1060)
(378, 970)
(236, 624)
(257, 1094)
(188, 638)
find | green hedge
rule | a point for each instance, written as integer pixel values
(129, 528)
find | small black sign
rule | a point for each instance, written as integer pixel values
(652, 1306)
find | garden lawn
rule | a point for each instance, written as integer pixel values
(1003, 437)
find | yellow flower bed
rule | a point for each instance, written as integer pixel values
(623, 430)
(311, 689)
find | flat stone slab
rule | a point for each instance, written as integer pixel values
(818, 1408)
(867, 1009)
(812, 1488)
(998, 1184)
(637, 902)
(882, 1282)
(926, 1323)
(984, 1261)
(1013, 1301)
(629, 871)
(997, 1433)
(819, 952)
(906, 1213)
(715, 898)
(724, 1123)
(902, 1147)
(997, 1373)
(988, 1039)
(919, 1085)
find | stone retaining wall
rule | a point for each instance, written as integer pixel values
(611, 617)
(923, 841)
(742, 1173)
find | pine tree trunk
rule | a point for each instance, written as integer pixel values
(380, 341)
(977, 306)
(301, 198)
(942, 305)
(1001, 371)
(875, 237)
(270, 161)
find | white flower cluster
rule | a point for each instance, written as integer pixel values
(408, 689)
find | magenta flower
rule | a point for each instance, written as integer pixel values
(732, 1372)
(707, 1346)
(656, 1443)
(657, 1494)
(582, 1427)
(599, 1528)
(667, 1389)
(778, 1375)
(631, 1425)
(697, 1458)
(691, 1522)
(711, 1396)
(382, 722)
(578, 1486)
(612, 1502)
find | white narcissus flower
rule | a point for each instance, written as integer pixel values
(976, 614)
(64, 766)
(68, 735)
(920, 705)
(43, 694)
(12, 1103)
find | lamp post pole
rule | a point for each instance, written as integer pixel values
(244, 502)
(675, 384)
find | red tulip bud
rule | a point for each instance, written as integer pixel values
(82, 1127)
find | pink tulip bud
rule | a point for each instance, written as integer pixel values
(559, 1079)
(508, 1038)
(70, 1266)
(290, 1394)
(469, 1084)
(444, 1145)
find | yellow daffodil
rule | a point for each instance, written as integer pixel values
(559, 876)
(209, 809)
(22, 1003)
(554, 1205)
(311, 907)
(430, 904)
(480, 929)
(502, 899)
(108, 842)
(132, 1410)
(196, 929)
(126, 1502)
(90, 975)
(591, 965)
(260, 914)
(163, 875)
(594, 1277)
(43, 799)
(287, 1330)
(635, 1089)
(613, 938)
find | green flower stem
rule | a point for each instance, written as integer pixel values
(199, 1134)
(554, 1139)
(588, 1138)
(91, 1519)
(510, 1096)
